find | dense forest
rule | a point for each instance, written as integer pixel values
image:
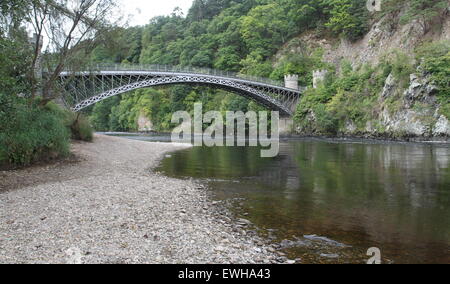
(240, 36)
(244, 36)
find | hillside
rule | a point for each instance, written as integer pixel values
(387, 71)
(383, 84)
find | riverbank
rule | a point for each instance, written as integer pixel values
(369, 139)
(166, 137)
(106, 205)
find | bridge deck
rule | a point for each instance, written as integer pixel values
(100, 82)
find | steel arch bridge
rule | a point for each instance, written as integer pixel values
(82, 89)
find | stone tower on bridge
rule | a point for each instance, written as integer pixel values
(287, 124)
(291, 82)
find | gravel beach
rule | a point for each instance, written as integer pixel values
(106, 205)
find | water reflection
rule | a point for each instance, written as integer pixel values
(392, 196)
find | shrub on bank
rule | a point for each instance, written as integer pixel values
(435, 59)
(78, 125)
(29, 133)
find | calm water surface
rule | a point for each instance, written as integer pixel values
(328, 202)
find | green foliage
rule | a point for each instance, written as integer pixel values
(302, 64)
(266, 27)
(77, 123)
(29, 133)
(207, 9)
(424, 9)
(255, 65)
(347, 17)
(239, 36)
(311, 114)
(400, 64)
(326, 122)
(354, 95)
(349, 97)
(435, 60)
(101, 113)
(14, 64)
(80, 127)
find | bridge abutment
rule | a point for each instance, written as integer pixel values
(286, 125)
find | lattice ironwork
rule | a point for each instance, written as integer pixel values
(82, 89)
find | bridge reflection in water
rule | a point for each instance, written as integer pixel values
(392, 196)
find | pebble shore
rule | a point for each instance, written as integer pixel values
(107, 205)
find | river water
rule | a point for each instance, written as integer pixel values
(328, 201)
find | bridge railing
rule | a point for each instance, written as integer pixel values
(182, 69)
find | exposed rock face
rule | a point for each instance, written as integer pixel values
(424, 121)
(144, 123)
(350, 127)
(420, 90)
(389, 87)
(386, 34)
(406, 122)
(416, 113)
(442, 127)
(399, 112)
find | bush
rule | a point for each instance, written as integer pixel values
(314, 102)
(352, 96)
(435, 61)
(348, 17)
(80, 127)
(29, 133)
(326, 122)
(401, 65)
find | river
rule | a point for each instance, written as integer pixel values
(329, 201)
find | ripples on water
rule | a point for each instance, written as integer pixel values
(320, 193)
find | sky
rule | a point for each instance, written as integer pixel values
(139, 12)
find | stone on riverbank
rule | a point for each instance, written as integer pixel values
(112, 208)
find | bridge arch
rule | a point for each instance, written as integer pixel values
(83, 89)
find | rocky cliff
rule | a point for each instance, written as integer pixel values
(417, 114)
(408, 108)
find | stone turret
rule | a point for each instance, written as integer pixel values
(374, 5)
(291, 82)
(318, 77)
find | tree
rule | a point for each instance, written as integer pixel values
(227, 59)
(12, 14)
(14, 48)
(69, 27)
(425, 10)
(206, 9)
(266, 27)
(347, 17)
